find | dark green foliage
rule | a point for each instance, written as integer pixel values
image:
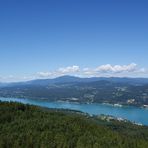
(25, 126)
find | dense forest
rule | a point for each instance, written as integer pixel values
(26, 126)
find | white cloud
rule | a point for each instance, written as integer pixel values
(102, 70)
(60, 72)
(12, 78)
(143, 70)
(44, 74)
(70, 69)
(108, 70)
(116, 68)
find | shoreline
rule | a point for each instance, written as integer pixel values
(144, 106)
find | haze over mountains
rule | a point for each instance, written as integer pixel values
(73, 79)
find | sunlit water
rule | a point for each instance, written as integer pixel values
(135, 114)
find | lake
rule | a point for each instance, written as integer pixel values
(134, 114)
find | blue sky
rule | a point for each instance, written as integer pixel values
(46, 38)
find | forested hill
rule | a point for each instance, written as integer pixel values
(28, 126)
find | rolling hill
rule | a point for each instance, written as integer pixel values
(31, 126)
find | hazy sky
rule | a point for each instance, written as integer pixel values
(48, 38)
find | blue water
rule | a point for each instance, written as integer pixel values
(134, 114)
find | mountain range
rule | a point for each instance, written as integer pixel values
(70, 79)
(114, 90)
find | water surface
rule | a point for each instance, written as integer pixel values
(134, 114)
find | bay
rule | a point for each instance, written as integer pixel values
(134, 114)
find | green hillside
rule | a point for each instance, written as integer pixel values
(25, 126)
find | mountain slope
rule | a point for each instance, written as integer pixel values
(73, 79)
(30, 126)
(125, 91)
(102, 91)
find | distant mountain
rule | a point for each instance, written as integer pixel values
(4, 84)
(72, 79)
(58, 80)
(125, 91)
(63, 79)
